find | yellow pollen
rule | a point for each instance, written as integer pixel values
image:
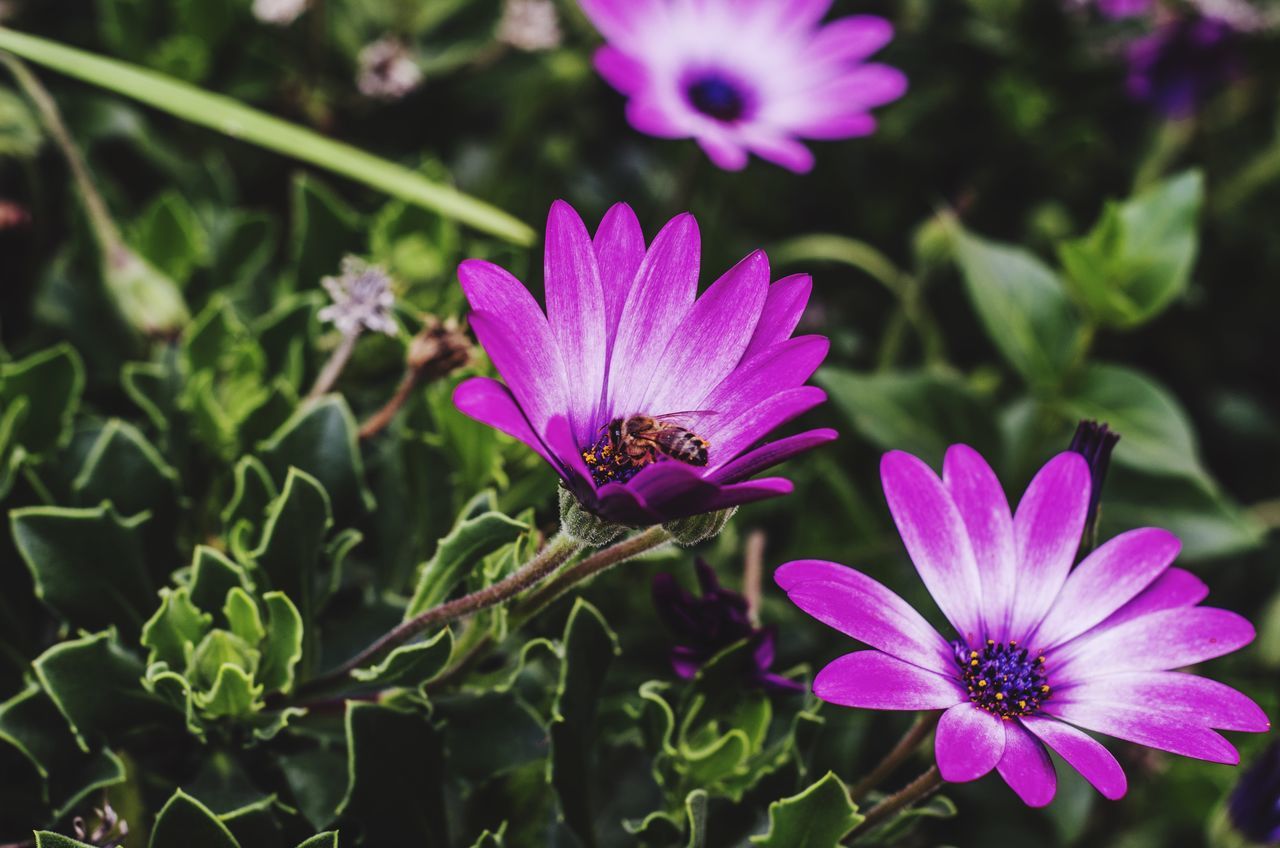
(982, 683)
(1044, 688)
(999, 696)
(973, 662)
(991, 641)
(1022, 704)
(973, 654)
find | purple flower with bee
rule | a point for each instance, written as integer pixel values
(1042, 652)
(650, 402)
(745, 76)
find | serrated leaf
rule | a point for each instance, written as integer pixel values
(45, 839)
(87, 564)
(471, 539)
(184, 822)
(217, 650)
(409, 666)
(1022, 306)
(588, 649)
(51, 381)
(152, 388)
(395, 776)
(213, 575)
(232, 695)
(121, 452)
(175, 629)
(253, 492)
(283, 647)
(662, 828)
(320, 439)
(819, 817)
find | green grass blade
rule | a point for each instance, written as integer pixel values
(233, 118)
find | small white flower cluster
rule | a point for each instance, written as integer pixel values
(362, 299)
(387, 71)
(530, 25)
(279, 12)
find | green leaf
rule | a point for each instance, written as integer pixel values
(87, 564)
(233, 118)
(175, 629)
(490, 734)
(51, 381)
(471, 539)
(233, 694)
(243, 616)
(186, 823)
(320, 439)
(45, 839)
(217, 650)
(588, 648)
(321, 840)
(20, 132)
(662, 828)
(171, 236)
(121, 452)
(213, 576)
(395, 777)
(325, 229)
(819, 817)
(253, 493)
(1022, 306)
(96, 685)
(410, 666)
(283, 647)
(1139, 256)
(918, 412)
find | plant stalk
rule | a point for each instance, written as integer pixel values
(910, 740)
(914, 792)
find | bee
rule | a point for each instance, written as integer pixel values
(638, 439)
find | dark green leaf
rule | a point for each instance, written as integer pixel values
(321, 840)
(471, 539)
(212, 577)
(186, 823)
(320, 439)
(283, 647)
(410, 666)
(121, 452)
(171, 237)
(819, 817)
(45, 839)
(51, 381)
(325, 229)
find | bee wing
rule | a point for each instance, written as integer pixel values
(686, 414)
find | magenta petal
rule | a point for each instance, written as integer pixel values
(1084, 754)
(1163, 640)
(662, 294)
(1026, 766)
(626, 74)
(769, 455)
(832, 126)
(977, 495)
(851, 39)
(782, 310)
(1196, 700)
(711, 339)
(935, 538)
(527, 358)
(1046, 530)
(490, 402)
(877, 681)
(969, 743)
(1147, 727)
(616, 18)
(864, 87)
(576, 314)
(1176, 587)
(559, 438)
(739, 494)
(1108, 578)
(729, 439)
(862, 608)
(727, 155)
(783, 366)
(654, 118)
(619, 246)
(780, 150)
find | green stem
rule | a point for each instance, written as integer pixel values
(914, 792)
(910, 740)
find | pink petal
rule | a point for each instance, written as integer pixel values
(771, 454)
(1163, 640)
(862, 88)
(619, 246)
(782, 310)
(729, 439)
(1174, 588)
(1194, 699)
(969, 743)
(862, 608)
(491, 403)
(877, 681)
(1108, 578)
(1026, 766)
(651, 117)
(830, 126)
(1046, 532)
(727, 155)
(977, 495)
(787, 152)
(576, 314)
(711, 339)
(784, 366)
(659, 299)
(527, 358)
(936, 539)
(1146, 727)
(626, 74)
(1085, 754)
(851, 39)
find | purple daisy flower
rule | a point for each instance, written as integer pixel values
(1254, 806)
(708, 623)
(1041, 649)
(1179, 65)
(744, 76)
(628, 370)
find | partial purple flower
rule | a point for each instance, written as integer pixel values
(1254, 806)
(745, 76)
(1094, 442)
(362, 299)
(1124, 8)
(708, 623)
(649, 402)
(1179, 65)
(1041, 651)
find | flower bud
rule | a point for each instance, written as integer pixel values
(583, 525)
(1094, 442)
(149, 301)
(699, 528)
(439, 348)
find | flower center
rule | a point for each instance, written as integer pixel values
(1002, 678)
(608, 464)
(717, 97)
(627, 444)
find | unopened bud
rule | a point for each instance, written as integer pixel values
(148, 299)
(584, 526)
(439, 348)
(699, 528)
(1094, 442)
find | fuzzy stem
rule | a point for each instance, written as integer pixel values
(534, 571)
(333, 368)
(910, 740)
(917, 790)
(379, 421)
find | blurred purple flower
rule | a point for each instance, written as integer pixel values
(623, 335)
(387, 70)
(1041, 649)
(1124, 8)
(1179, 65)
(362, 299)
(1094, 442)
(1254, 805)
(744, 76)
(708, 623)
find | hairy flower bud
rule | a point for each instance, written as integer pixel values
(699, 528)
(583, 525)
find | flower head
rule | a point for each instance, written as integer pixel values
(362, 299)
(744, 76)
(1040, 650)
(1254, 806)
(649, 402)
(1179, 65)
(708, 623)
(529, 25)
(387, 70)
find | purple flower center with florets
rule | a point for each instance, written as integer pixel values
(717, 96)
(608, 464)
(1003, 678)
